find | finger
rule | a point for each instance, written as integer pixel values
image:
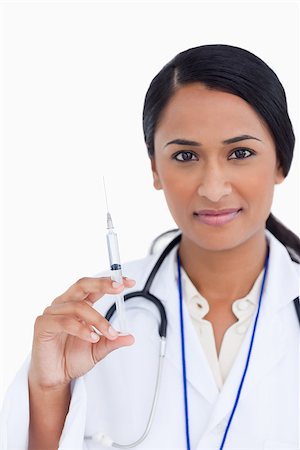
(84, 313)
(127, 283)
(48, 324)
(92, 289)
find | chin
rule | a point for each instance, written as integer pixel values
(217, 239)
(220, 239)
(218, 245)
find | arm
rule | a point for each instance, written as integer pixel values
(63, 351)
(48, 411)
(65, 347)
(15, 415)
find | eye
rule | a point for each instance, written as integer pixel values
(184, 156)
(240, 153)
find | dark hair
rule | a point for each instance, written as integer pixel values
(237, 71)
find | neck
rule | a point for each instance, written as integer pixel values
(224, 275)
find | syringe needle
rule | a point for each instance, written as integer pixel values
(105, 193)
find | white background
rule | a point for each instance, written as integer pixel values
(74, 79)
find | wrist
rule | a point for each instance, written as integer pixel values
(39, 380)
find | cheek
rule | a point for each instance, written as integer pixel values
(179, 192)
(258, 190)
(177, 184)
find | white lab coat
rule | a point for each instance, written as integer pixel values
(116, 396)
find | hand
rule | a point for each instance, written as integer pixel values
(65, 345)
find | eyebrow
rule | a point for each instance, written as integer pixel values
(243, 137)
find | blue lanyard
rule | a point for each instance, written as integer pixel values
(186, 406)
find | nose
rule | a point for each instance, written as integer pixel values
(214, 184)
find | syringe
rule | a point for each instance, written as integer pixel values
(116, 269)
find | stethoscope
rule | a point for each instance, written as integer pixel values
(104, 439)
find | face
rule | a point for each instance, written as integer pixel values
(199, 167)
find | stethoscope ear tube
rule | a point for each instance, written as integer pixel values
(159, 262)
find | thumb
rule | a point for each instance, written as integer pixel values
(105, 346)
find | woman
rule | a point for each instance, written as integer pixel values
(219, 139)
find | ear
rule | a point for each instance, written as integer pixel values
(279, 177)
(156, 180)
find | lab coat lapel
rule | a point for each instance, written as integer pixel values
(267, 351)
(198, 374)
(269, 344)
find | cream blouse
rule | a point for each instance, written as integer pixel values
(242, 308)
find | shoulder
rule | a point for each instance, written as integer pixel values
(281, 255)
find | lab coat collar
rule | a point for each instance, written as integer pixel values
(281, 287)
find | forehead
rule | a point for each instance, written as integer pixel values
(195, 111)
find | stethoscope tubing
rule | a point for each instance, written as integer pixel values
(145, 293)
(163, 316)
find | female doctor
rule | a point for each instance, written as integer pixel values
(219, 139)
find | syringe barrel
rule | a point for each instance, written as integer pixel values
(116, 275)
(113, 251)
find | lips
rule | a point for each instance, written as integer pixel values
(217, 217)
(216, 212)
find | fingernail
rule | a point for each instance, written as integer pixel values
(112, 331)
(116, 285)
(129, 279)
(95, 337)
